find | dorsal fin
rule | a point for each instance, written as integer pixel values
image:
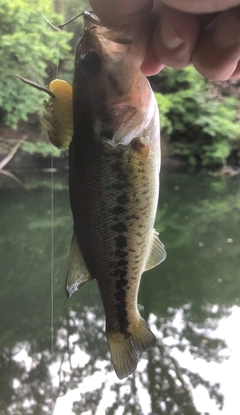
(77, 274)
(157, 252)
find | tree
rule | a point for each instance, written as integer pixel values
(199, 124)
(29, 47)
(9, 157)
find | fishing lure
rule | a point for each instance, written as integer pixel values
(58, 117)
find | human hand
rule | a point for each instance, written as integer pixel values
(205, 33)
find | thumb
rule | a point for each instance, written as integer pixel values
(121, 12)
(203, 6)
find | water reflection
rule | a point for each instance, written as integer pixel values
(183, 300)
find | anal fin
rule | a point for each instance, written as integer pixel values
(77, 274)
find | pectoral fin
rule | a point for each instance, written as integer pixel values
(78, 273)
(157, 252)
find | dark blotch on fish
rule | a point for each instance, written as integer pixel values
(120, 283)
(121, 241)
(118, 210)
(123, 199)
(121, 273)
(121, 263)
(120, 253)
(120, 295)
(119, 227)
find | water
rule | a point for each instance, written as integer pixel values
(191, 301)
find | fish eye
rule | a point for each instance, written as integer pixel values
(91, 63)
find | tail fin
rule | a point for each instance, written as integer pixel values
(126, 351)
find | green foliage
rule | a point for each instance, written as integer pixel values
(198, 126)
(31, 48)
(165, 106)
(45, 149)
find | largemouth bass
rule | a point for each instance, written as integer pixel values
(114, 162)
(114, 165)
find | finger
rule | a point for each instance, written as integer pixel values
(175, 37)
(217, 54)
(119, 12)
(203, 6)
(151, 64)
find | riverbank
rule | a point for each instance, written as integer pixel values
(37, 159)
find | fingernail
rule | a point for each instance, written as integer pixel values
(169, 37)
(226, 31)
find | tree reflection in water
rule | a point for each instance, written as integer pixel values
(184, 299)
(33, 379)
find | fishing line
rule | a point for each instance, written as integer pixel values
(52, 273)
(52, 230)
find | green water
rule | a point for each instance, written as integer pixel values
(186, 299)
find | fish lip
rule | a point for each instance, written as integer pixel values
(91, 17)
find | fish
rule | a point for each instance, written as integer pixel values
(109, 119)
(114, 166)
